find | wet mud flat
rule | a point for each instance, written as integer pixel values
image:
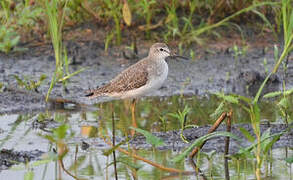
(213, 72)
(10, 157)
(173, 140)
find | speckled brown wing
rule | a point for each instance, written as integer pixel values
(131, 78)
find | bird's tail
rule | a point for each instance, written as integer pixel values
(93, 93)
(89, 94)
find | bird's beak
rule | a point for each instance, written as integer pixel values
(173, 55)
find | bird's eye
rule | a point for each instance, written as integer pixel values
(161, 49)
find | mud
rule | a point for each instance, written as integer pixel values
(213, 72)
(10, 157)
(173, 140)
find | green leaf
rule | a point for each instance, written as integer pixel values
(265, 137)
(29, 175)
(218, 111)
(278, 93)
(87, 170)
(15, 41)
(248, 136)
(48, 137)
(256, 98)
(78, 163)
(150, 138)
(272, 94)
(60, 132)
(246, 151)
(42, 77)
(256, 112)
(110, 151)
(228, 98)
(200, 140)
(40, 162)
(270, 143)
(243, 98)
(284, 102)
(72, 74)
(127, 161)
(19, 81)
(289, 160)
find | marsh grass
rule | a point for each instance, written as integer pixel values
(182, 117)
(55, 13)
(254, 111)
(30, 84)
(114, 10)
(6, 11)
(147, 11)
(55, 29)
(193, 35)
(184, 22)
(287, 17)
(8, 38)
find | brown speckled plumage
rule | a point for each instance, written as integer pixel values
(131, 78)
(135, 76)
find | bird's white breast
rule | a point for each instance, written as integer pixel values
(156, 77)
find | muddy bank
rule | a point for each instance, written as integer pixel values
(10, 157)
(173, 140)
(215, 71)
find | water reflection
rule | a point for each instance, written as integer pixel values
(87, 131)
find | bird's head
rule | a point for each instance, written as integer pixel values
(159, 50)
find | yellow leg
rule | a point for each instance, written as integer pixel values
(133, 103)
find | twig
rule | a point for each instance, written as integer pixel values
(212, 129)
(65, 170)
(227, 142)
(159, 166)
(75, 159)
(195, 150)
(134, 124)
(197, 170)
(113, 142)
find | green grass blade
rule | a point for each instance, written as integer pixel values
(199, 141)
(247, 135)
(206, 28)
(150, 138)
(70, 75)
(256, 98)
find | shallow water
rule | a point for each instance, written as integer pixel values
(86, 130)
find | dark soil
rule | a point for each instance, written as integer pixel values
(10, 157)
(173, 140)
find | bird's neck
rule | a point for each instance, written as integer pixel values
(155, 58)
